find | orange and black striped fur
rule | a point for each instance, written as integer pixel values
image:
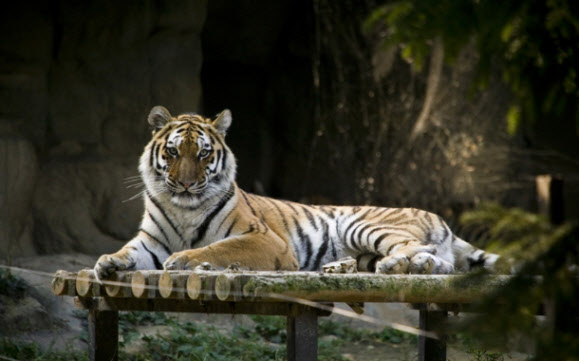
(195, 213)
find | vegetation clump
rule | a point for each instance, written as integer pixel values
(545, 280)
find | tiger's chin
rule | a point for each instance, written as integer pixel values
(186, 200)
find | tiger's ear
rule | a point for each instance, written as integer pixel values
(159, 116)
(223, 121)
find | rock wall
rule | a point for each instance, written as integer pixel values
(77, 80)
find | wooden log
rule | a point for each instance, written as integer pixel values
(194, 286)
(119, 284)
(87, 285)
(208, 288)
(145, 284)
(166, 285)
(172, 284)
(229, 286)
(64, 283)
(139, 285)
(153, 284)
(199, 284)
(83, 283)
(224, 286)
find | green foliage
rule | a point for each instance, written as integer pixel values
(271, 328)
(517, 234)
(534, 43)
(546, 258)
(485, 355)
(265, 341)
(349, 334)
(20, 350)
(128, 321)
(188, 341)
(11, 285)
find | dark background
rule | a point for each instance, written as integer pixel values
(322, 114)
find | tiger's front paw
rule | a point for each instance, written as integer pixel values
(107, 264)
(181, 261)
(426, 263)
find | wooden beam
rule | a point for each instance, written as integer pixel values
(284, 286)
(184, 305)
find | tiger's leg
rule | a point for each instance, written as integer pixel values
(414, 258)
(421, 263)
(142, 252)
(254, 251)
(427, 263)
(398, 250)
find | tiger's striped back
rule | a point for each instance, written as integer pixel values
(322, 234)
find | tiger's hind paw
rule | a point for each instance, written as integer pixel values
(426, 263)
(392, 265)
(180, 261)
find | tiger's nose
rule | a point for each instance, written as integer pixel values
(186, 185)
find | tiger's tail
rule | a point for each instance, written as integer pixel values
(468, 257)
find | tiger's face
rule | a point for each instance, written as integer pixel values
(187, 158)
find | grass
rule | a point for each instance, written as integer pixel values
(265, 340)
(187, 341)
(20, 350)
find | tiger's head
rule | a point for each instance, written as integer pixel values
(187, 159)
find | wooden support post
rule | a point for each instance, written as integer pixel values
(302, 334)
(561, 312)
(430, 349)
(550, 197)
(103, 335)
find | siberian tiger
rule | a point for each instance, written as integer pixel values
(195, 213)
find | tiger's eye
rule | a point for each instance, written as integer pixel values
(172, 152)
(203, 153)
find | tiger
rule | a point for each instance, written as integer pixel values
(195, 214)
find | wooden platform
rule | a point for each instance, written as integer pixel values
(300, 296)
